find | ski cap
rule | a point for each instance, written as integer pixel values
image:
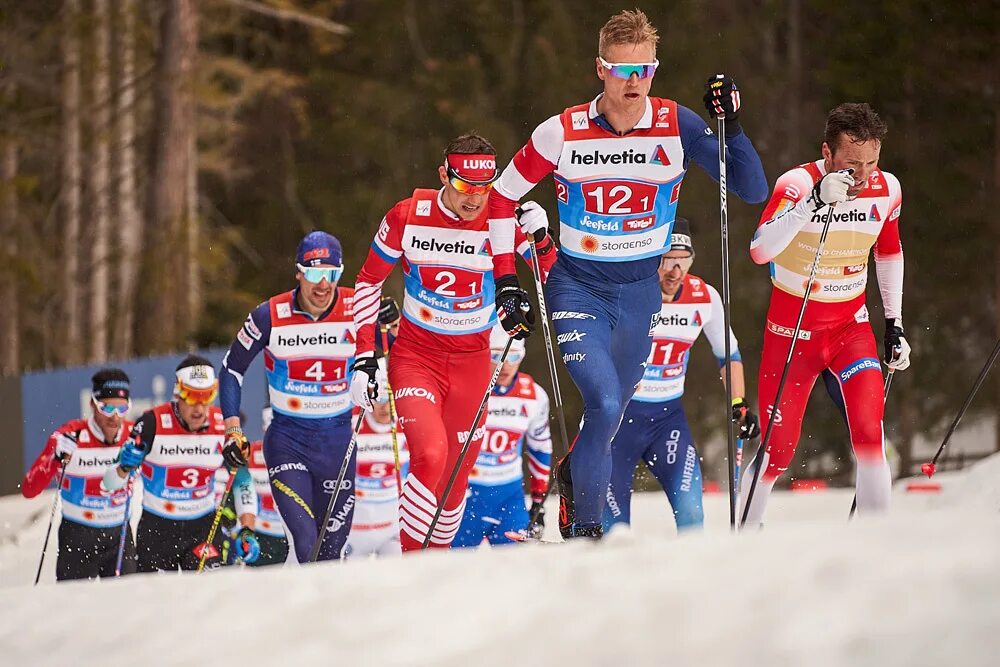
(680, 237)
(317, 248)
(110, 383)
(498, 341)
(196, 381)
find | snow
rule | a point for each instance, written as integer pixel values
(917, 587)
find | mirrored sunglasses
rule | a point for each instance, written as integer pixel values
(110, 409)
(316, 274)
(626, 70)
(468, 187)
(195, 396)
(683, 263)
(512, 356)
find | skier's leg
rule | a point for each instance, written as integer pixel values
(805, 367)
(473, 528)
(626, 450)
(328, 451)
(292, 489)
(858, 372)
(673, 460)
(419, 400)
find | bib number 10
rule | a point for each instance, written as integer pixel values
(618, 197)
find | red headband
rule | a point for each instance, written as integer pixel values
(473, 168)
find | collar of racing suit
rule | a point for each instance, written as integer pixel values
(644, 123)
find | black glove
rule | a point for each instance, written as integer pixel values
(897, 350)
(513, 308)
(722, 100)
(744, 417)
(388, 311)
(537, 520)
(236, 451)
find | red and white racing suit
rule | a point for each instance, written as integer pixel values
(440, 360)
(835, 333)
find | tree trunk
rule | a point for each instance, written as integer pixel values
(100, 192)
(72, 344)
(193, 287)
(793, 110)
(129, 220)
(173, 127)
(10, 342)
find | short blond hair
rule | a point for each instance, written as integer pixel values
(627, 27)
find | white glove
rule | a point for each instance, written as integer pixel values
(363, 381)
(900, 361)
(533, 219)
(65, 446)
(832, 188)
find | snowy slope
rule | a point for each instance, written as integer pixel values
(919, 587)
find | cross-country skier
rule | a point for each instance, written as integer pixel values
(618, 164)
(177, 448)
(90, 528)
(517, 420)
(655, 427)
(307, 336)
(440, 360)
(376, 516)
(864, 202)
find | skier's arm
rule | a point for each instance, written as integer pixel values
(538, 446)
(531, 164)
(133, 451)
(252, 337)
(786, 213)
(744, 171)
(715, 325)
(245, 497)
(43, 469)
(386, 249)
(546, 256)
(889, 256)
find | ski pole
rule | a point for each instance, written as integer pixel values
(885, 397)
(314, 554)
(553, 371)
(739, 462)
(726, 316)
(124, 534)
(216, 520)
(392, 412)
(762, 450)
(931, 467)
(465, 446)
(52, 516)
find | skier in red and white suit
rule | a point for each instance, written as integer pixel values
(835, 333)
(441, 357)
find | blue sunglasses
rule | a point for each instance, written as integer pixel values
(316, 274)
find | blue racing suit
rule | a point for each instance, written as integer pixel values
(306, 361)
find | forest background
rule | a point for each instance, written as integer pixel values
(160, 160)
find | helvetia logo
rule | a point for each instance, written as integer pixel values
(873, 214)
(659, 157)
(433, 245)
(627, 156)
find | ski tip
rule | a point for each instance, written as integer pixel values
(517, 536)
(928, 469)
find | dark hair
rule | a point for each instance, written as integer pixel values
(469, 144)
(110, 383)
(857, 120)
(193, 360)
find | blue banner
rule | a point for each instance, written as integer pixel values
(52, 398)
